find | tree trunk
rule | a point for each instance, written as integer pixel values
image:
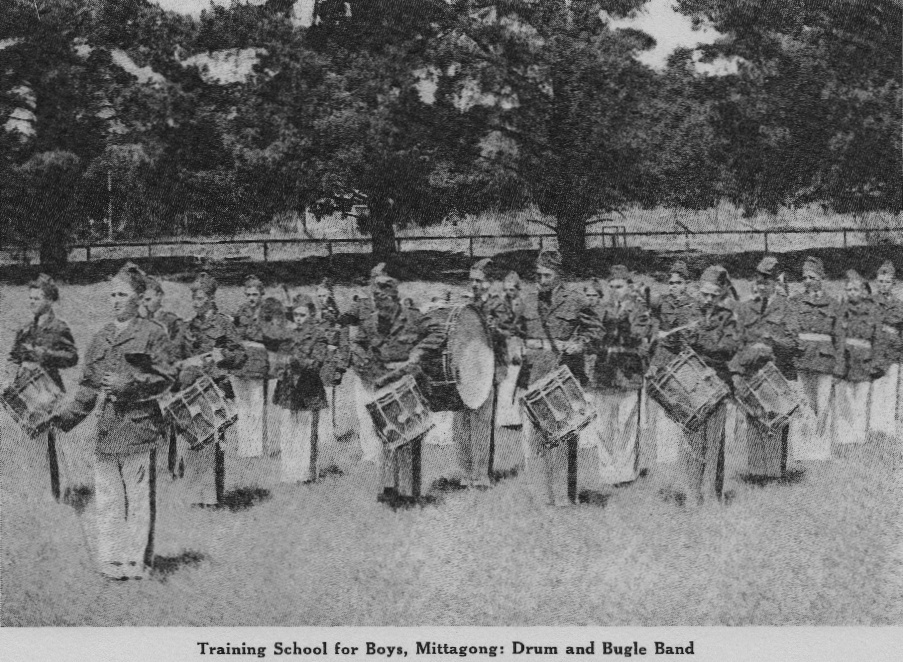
(381, 224)
(572, 242)
(54, 254)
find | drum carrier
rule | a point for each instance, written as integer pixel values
(687, 389)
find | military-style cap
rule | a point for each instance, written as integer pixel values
(854, 276)
(813, 266)
(132, 274)
(302, 300)
(888, 269)
(480, 269)
(153, 284)
(205, 283)
(511, 278)
(680, 268)
(549, 260)
(768, 266)
(255, 282)
(713, 280)
(620, 272)
(47, 286)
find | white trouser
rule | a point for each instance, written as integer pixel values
(618, 435)
(667, 435)
(299, 445)
(200, 477)
(508, 412)
(811, 428)
(545, 468)
(851, 411)
(125, 491)
(250, 427)
(884, 401)
(371, 445)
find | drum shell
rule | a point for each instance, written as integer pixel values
(687, 389)
(768, 397)
(400, 413)
(200, 413)
(557, 406)
(445, 374)
(31, 399)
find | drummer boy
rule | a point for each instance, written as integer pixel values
(391, 342)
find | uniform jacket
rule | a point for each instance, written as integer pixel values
(381, 342)
(858, 355)
(247, 324)
(560, 316)
(48, 342)
(772, 323)
(621, 344)
(673, 312)
(504, 319)
(172, 323)
(203, 334)
(816, 313)
(716, 337)
(361, 309)
(303, 352)
(129, 420)
(891, 337)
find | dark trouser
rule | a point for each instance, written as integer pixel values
(767, 451)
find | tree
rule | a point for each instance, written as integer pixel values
(814, 112)
(565, 97)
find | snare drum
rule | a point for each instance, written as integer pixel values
(768, 398)
(31, 400)
(558, 406)
(461, 377)
(400, 413)
(687, 389)
(200, 413)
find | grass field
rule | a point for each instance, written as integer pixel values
(821, 548)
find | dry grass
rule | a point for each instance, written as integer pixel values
(821, 550)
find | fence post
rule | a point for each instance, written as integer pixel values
(266, 252)
(844, 238)
(470, 243)
(88, 253)
(765, 235)
(541, 238)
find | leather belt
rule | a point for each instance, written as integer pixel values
(543, 344)
(858, 342)
(815, 337)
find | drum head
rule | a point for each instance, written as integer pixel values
(472, 357)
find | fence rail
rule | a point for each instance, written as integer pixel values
(267, 249)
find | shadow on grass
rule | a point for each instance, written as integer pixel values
(403, 502)
(447, 485)
(593, 498)
(331, 470)
(78, 497)
(165, 566)
(244, 498)
(792, 477)
(505, 474)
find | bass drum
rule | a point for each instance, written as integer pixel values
(462, 374)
